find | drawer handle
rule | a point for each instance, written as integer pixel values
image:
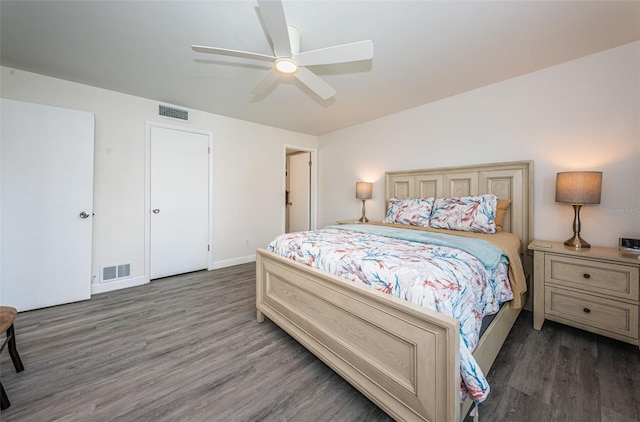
(586, 310)
(586, 275)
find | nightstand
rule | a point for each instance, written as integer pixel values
(353, 221)
(594, 289)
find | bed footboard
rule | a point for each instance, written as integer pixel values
(403, 357)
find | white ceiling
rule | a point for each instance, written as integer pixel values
(424, 50)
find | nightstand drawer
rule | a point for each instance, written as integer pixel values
(593, 276)
(591, 311)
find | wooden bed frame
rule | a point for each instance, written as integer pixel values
(403, 357)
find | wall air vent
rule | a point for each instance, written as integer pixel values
(115, 272)
(173, 112)
(109, 273)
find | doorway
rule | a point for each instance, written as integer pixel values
(178, 201)
(300, 192)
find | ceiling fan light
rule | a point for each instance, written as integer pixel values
(286, 66)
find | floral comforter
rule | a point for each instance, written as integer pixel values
(464, 278)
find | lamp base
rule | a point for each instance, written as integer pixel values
(363, 219)
(577, 242)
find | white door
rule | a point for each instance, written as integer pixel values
(47, 201)
(179, 199)
(299, 192)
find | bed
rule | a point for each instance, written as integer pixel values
(404, 357)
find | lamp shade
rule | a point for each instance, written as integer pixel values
(363, 190)
(579, 187)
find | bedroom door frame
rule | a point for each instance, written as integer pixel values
(147, 192)
(313, 208)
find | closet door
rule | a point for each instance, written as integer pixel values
(179, 193)
(46, 205)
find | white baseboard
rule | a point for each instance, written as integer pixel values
(231, 262)
(118, 284)
(138, 281)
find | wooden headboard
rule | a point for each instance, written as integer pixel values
(511, 180)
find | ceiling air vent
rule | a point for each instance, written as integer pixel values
(173, 112)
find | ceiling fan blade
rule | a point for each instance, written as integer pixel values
(361, 50)
(233, 53)
(265, 83)
(317, 85)
(273, 17)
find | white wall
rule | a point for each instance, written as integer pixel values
(583, 114)
(248, 161)
(580, 115)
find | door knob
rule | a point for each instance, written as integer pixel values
(84, 215)
(156, 211)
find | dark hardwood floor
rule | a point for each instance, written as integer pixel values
(188, 348)
(562, 374)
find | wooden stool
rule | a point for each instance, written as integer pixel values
(7, 316)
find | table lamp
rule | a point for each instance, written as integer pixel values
(363, 191)
(578, 188)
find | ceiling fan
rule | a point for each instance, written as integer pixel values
(287, 58)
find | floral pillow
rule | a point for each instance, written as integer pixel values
(467, 213)
(412, 211)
